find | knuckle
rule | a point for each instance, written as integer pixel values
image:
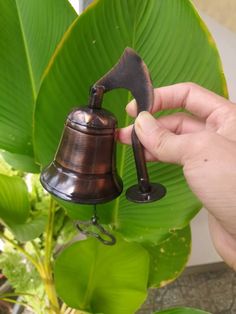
(192, 85)
(222, 116)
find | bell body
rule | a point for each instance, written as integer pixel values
(84, 168)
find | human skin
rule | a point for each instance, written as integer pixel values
(203, 141)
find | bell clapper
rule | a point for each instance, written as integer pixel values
(101, 234)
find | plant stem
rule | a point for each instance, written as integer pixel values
(17, 302)
(22, 250)
(63, 308)
(49, 234)
(47, 264)
(67, 310)
(6, 295)
(44, 267)
(36, 249)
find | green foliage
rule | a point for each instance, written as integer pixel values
(5, 168)
(14, 200)
(167, 260)
(21, 274)
(45, 71)
(30, 230)
(97, 278)
(16, 210)
(23, 277)
(30, 32)
(21, 162)
(64, 228)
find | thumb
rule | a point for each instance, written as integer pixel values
(160, 142)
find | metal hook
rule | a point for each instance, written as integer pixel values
(83, 227)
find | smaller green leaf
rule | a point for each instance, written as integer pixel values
(23, 163)
(168, 259)
(5, 168)
(182, 310)
(29, 230)
(14, 201)
(93, 277)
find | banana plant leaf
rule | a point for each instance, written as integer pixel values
(183, 310)
(168, 259)
(14, 200)
(100, 279)
(29, 36)
(15, 209)
(176, 46)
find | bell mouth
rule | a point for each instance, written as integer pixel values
(81, 188)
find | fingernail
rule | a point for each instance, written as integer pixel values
(145, 123)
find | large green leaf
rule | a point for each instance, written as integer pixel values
(176, 46)
(182, 310)
(168, 259)
(30, 229)
(101, 279)
(29, 34)
(14, 201)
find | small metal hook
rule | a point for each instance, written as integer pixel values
(83, 227)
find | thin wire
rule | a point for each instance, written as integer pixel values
(95, 210)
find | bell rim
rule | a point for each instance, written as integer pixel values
(66, 197)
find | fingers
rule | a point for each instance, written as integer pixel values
(124, 135)
(159, 142)
(196, 99)
(131, 108)
(178, 123)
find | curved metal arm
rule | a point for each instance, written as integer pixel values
(131, 73)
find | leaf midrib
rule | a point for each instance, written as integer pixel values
(90, 285)
(27, 54)
(121, 168)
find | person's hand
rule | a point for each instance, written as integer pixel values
(203, 141)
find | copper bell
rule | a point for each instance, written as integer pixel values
(84, 169)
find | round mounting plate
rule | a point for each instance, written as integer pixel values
(156, 192)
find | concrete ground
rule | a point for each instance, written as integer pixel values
(213, 291)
